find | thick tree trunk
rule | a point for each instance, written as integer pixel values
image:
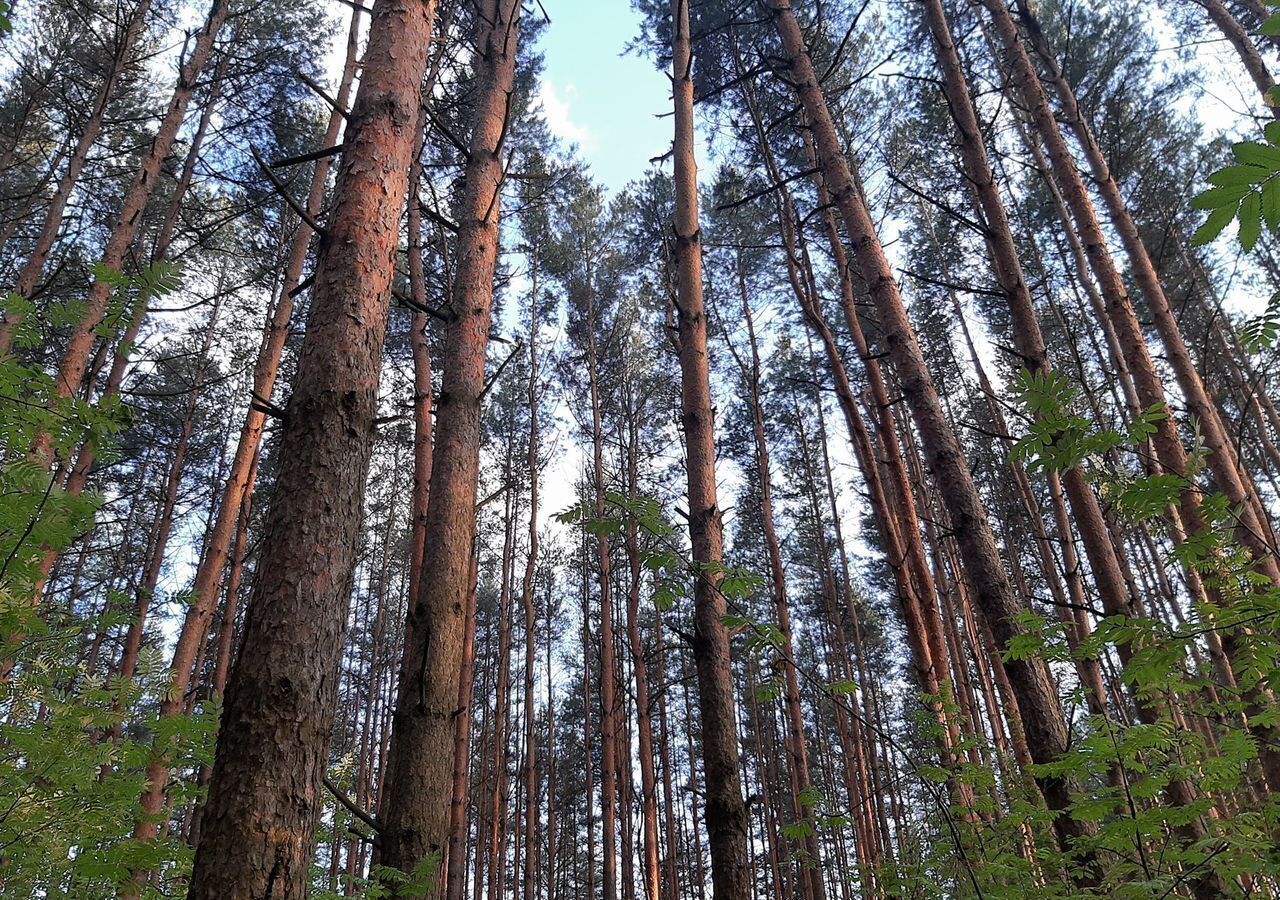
(419, 767)
(264, 796)
(240, 480)
(726, 813)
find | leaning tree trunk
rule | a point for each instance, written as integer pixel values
(1030, 346)
(1170, 453)
(989, 584)
(266, 369)
(419, 766)
(1245, 48)
(75, 359)
(257, 840)
(726, 813)
(33, 268)
(1233, 480)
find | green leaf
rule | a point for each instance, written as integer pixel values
(1220, 196)
(1250, 220)
(1213, 226)
(1235, 175)
(1271, 26)
(1254, 154)
(1271, 203)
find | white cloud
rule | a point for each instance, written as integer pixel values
(555, 109)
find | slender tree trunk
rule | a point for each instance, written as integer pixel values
(811, 870)
(29, 275)
(419, 769)
(75, 359)
(456, 869)
(168, 507)
(990, 587)
(608, 664)
(1223, 461)
(726, 813)
(652, 866)
(1245, 48)
(262, 806)
(530, 608)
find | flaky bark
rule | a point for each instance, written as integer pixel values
(280, 702)
(419, 767)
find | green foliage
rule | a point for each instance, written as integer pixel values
(72, 752)
(1247, 192)
(1261, 332)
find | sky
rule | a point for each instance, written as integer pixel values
(598, 98)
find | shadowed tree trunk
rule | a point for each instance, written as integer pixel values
(726, 813)
(263, 802)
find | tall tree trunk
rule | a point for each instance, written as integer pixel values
(456, 868)
(168, 506)
(419, 769)
(263, 799)
(726, 813)
(652, 868)
(1169, 450)
(1254, 529)
(990, 587)
(608, 663)
(240, 480)
(529, 888)
(75, 359)
(29, 275)
(797, 752)
(1245, 48)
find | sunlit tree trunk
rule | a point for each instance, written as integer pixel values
(29, 275)
(419, 767)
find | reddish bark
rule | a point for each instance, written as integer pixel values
(990, 587)
(265, 793)
(75, 360)
(29, 275)
(419, 767)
